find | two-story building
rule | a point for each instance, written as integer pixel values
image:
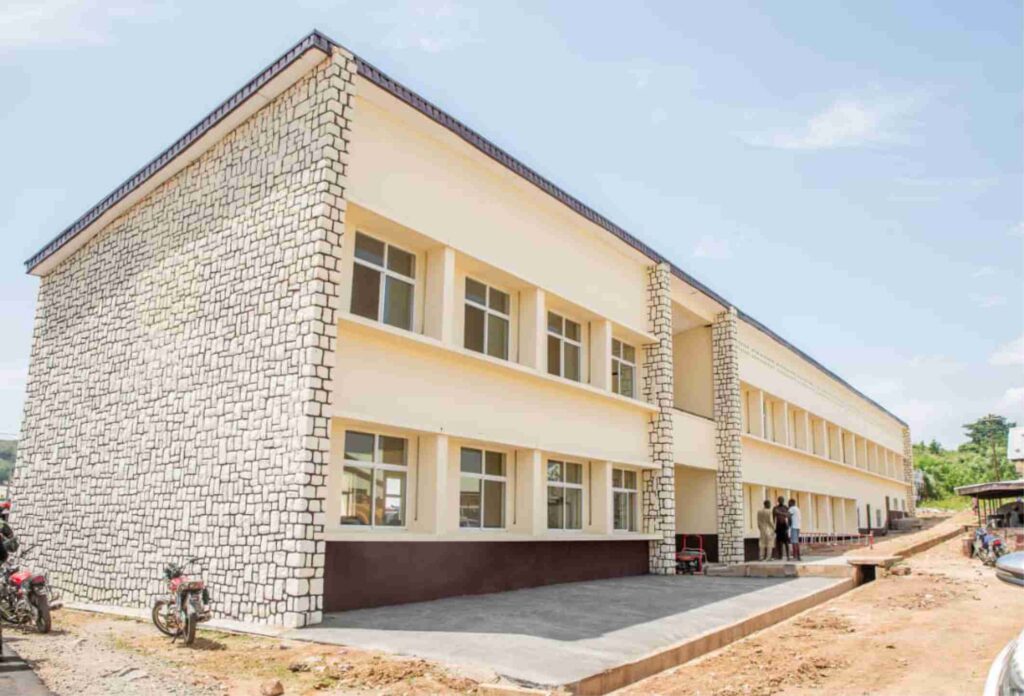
(351, 353)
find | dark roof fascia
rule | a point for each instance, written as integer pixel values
(320, 41)
(314, 40)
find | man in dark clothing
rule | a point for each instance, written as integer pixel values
(781, 515)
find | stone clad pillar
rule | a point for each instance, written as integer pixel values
(728, 414)
(908, 472)
(659, 514)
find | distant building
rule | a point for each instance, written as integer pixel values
(1015, 448)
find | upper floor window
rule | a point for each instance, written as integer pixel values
(564, 347)
(487, 319)
(623, 368)
(482, 489)
(373, 484)
(565, 495)
(383, 281)
(624, 499)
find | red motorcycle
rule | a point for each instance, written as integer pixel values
(26, 597)
(187, 606)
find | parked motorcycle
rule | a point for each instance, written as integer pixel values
(187, 605)
(26, 597)
(988, 547)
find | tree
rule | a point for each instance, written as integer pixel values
(989, 436)
(934, 447)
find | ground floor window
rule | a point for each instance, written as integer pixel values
(624, 500)
(374, 480)
(482, 489)
(565, 495)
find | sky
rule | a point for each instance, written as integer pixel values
(850, 174)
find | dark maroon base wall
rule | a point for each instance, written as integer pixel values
(362, 574)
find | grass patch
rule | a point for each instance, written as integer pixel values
(953, 503)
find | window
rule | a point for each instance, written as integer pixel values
(624, 500)
(623, 369)
(383, 271)
(565, 495)
(482, 489)
(487, 315)
(564, 347)
(373, 484)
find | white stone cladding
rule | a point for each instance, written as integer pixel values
(908, 472)
(659, 484)
(180, 369)
(728, 427)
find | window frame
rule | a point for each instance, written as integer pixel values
(385, 273)
(487, 309)
(482, 477)
(375, 466)
(562, 340)
(632, 496)
(563, 484)
(623, 361)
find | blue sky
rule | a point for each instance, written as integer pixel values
(850, 174)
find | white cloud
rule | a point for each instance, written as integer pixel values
(983, 272)
(69, 24)
(846, 122)
(1012, 400)
(709, 247)
(1011, 353)
(1017, 230)
(988, 301)
(659, 115)
(431, 26)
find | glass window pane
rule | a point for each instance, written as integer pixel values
(498, 301)
(573, 508)
(554, 470)
(626, 382)
(572, 362)
(476, 292)
(556, 508)
(469, 502)
(629, 353)
(398, 303)
(615, 377)
(573, 473)
(358, 446)
(474, 329)
(355, 495)
(620, 507)
(554, 323)
(389, 494)
(617, 478)
(401, 262)
(554, 356)
(494, 504)
(496, 463)
(630, 480)
(616, 348)
(365, 292)
(572, 330)
(369, 249)
(392, 450)
(471, 460)
(497, 337)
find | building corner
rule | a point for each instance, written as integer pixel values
(728, 445)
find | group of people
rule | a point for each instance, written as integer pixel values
(779, 529)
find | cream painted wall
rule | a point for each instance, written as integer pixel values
(693, 441)
(691, 359)
(696, 501)
(767, 365)
(407, 168)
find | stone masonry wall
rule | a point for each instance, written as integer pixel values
(728, 426)
(179, 372)
(908, 473)
(659, 515)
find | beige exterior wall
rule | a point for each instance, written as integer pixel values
(692, 369)
(696, 510)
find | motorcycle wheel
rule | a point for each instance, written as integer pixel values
(159, 618)
(43, 621)
(189, 634)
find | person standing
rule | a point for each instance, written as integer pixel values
(794, 528)
(766, 530)
(780, 515)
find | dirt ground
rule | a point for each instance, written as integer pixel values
(101, 654)
(934, 631)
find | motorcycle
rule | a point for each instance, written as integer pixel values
(988, 548)
(26, 597)
(188, 604)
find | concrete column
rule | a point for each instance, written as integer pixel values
(439, 302)
(434, 512)
(659, 514)
(533, 321)
(601, 354)
(600, 518)
(908, 472)
(728, 443)
(531, 493)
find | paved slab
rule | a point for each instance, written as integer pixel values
(563, 633)
(16, 677)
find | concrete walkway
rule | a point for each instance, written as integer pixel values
(562, 634)
(16, 677)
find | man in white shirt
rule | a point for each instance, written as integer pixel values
(794, 528)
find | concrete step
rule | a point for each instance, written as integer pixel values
(768, 569)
